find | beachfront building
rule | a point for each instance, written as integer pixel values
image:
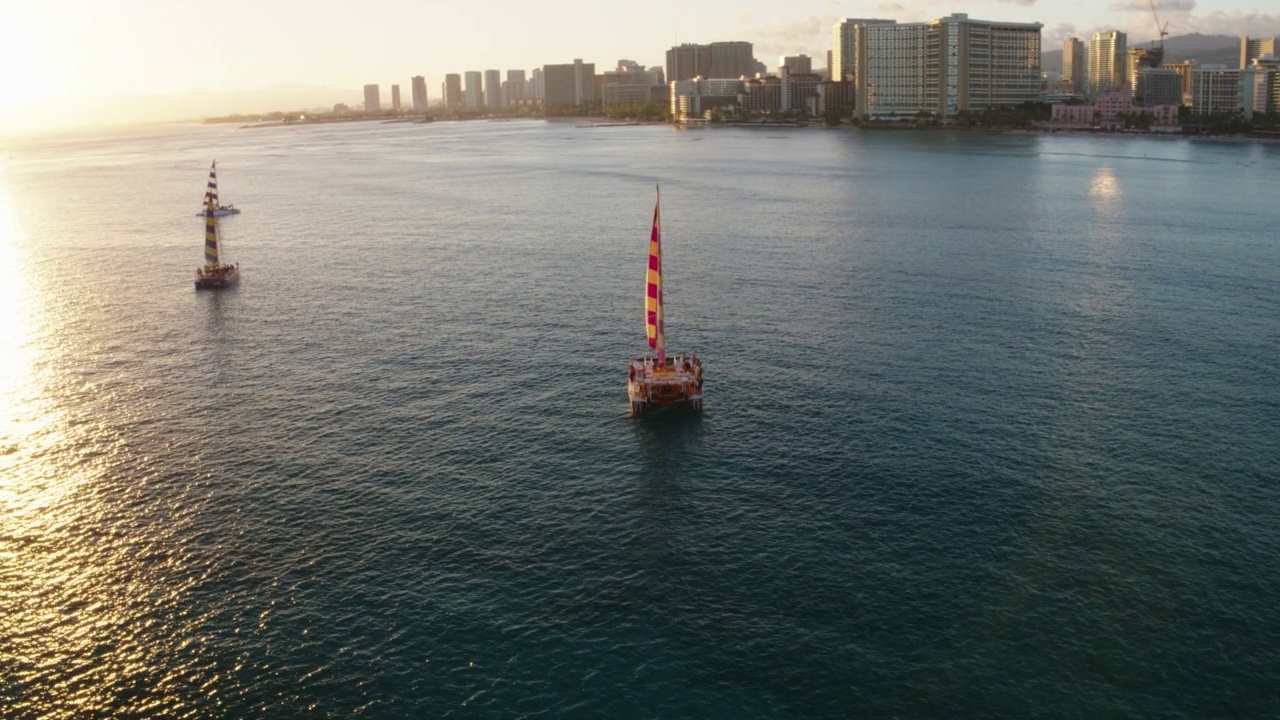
(1260, 87)
(1183, 69)
(473, 95)
(1106, 109)
(798, 89)
(493, 89)
(1215, 90)
(1157, 86)
(537, 86)
(692, 100)
(569, 85)
(761, 94)
(419, 93)
(395, 97)
(517, 87)
(631, 83)
(451, 91)
(945, 66)
(842, 63)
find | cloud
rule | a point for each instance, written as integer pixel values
(1023, 3)
(1253, 24)
(811, 35)
(1138, 6)
(1054, 36)
(891, 7)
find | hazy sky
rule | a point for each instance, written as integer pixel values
(90, 49)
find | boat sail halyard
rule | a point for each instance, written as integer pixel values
(659, 382)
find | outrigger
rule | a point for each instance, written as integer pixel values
(658, 381)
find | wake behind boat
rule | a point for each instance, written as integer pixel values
(214, 273)
(655, 382)
(211, 194)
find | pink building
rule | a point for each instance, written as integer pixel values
(1108, 106)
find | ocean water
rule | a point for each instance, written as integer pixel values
(990, 431)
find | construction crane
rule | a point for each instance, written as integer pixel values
(1157, 46)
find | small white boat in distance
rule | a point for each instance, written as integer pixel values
(211, 194)
(658, 381)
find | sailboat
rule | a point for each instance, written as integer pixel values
(214, 273)
(658, 381)
(211, 195)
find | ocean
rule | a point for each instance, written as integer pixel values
(990, 425)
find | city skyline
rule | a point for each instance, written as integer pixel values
(83, 50)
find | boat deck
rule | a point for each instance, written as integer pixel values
(678, 382)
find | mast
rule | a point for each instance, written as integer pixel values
(210, 236)
(654, 326)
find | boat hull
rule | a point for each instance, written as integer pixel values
(226, 277)
(221, 212)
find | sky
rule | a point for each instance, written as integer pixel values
(72, 61)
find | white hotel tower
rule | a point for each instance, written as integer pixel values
(945, 66)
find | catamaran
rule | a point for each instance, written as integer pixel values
(211, 195)
(658, 381)
(214, 273)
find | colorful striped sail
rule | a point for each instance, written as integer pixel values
(653, 287)
(210, 235)
(211, 190)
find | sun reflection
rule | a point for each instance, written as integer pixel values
(19, 419)
(1105, 188)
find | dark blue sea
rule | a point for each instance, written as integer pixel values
(992, 426)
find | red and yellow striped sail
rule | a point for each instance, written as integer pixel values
(653, 287)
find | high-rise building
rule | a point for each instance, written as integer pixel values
(538, 86)
(515, 87)
(731, 59)
(1138, 58)
(1253, 48)
(1074, 69)
(692, 98)
(798, 89)
(841, 64)
(493, 88)
(1215, 90)
(630, 83)
(569, 85)
(1157, 86)
(473, 95)
(395, 97)
(688, 61)
(1260, 86)
(372, 99)
(452, 91)
(946, 66)
(1107, 53)
(797, 63)
(1183, 69)
(419, 93)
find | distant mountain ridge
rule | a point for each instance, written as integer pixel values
(1204, 49)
